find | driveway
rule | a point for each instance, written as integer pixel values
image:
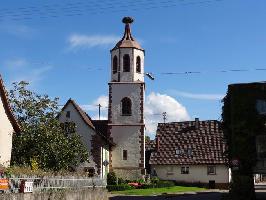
(201, 196)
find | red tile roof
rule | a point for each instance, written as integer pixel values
(8, 110)
(101, 127)
(203, 138)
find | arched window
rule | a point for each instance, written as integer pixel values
(126, 63)
(115, 65)
(126, 106)
(138, 64)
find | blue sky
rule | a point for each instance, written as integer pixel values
(68, 56)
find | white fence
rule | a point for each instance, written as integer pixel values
(56, 182)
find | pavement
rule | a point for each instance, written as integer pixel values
(208, 195)
(211, 195)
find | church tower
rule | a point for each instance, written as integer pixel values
(126, 106)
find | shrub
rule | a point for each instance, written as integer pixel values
(195, 184)
(121, 181)
(155, 180)
(140, 181)
(118, 187)
(111, 178)
(162, 184)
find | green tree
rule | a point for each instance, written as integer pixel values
(42, 142)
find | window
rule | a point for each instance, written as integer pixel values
(68, 127)
(261, 107)
(124, 154)
(177, 151)
(184, 170)
(115, 65)
(170, 170)
(211, 170)
(189, 151)
(138, 65)
(68, 114)
(126, 63)
(90, 171)
(126, 106)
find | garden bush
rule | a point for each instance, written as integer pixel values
(111, 178)
(195, 184)
(161, 184)
(121, 187)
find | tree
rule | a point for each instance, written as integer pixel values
(147, 138)
(42, 142)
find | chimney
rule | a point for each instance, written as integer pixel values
(196, 123)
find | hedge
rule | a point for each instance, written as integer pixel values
(118, 187)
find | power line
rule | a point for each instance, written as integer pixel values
(94, 7)
(218, 71)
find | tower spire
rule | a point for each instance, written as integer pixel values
(127, 40)
(127, 34)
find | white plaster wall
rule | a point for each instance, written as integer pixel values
(114, 77)
(105, 156)
(119, 91)
(126, 76)
(6, 133)
(132, 75)
(81, 128)
(138, 76)
(197, 173)
(126, 138)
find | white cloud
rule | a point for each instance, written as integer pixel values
(87, 41)
(17, 30)
(103, 101)
(23, 70)
(16, 63)
(198, 96)
(156, 104)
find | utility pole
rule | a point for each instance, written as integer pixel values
(99, 111)
(164, 117)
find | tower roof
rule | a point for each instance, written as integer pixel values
(127, 41)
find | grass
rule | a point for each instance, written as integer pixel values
(158, 191)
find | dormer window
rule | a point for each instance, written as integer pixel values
(177, 152)
(126, 106)
(138, 65)
(115, 65)
(189, 151)
(126, 63)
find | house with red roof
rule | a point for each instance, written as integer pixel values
(8, 126)
(191, 152)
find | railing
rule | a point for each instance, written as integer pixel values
(56, 182)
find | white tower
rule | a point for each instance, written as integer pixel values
(126, 107)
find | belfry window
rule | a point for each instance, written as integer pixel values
(115, 65)
(138, 64)
(126, 63)
(126, 106)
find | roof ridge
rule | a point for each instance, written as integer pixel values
(7, 107)
(86, 118)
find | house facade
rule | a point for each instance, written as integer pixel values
(191, 152)
(8, 126)
(126, 107)
(93, 135)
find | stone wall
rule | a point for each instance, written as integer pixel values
(77, 194)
